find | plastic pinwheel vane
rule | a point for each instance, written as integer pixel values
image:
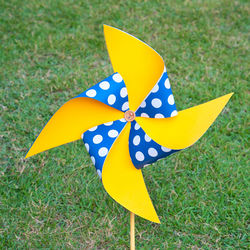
(128, 120)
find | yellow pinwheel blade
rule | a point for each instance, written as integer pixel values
(70, 121)
(139, 65)
(123, 182)
(187, 127)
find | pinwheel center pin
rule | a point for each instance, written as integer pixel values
(129, 116)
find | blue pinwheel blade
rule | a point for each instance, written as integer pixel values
(110, 91)
(143, 150)
(99, 139)
(160, 101)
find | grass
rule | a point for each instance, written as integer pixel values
(50, 51)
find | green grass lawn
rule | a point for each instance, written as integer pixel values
(50, 51)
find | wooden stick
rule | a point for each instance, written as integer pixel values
(132, 231)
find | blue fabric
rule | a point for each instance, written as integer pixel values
(98, 141)
(111, 91)
(160, 101)
(143, 150)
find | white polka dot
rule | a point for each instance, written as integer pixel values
(82, 135)
(152, 152)
(123, 92)
(108, 123)
(156, 103)
(93, 159)
(93, 129)
(174, 113)
(136, 140)
(171, 99)
(123, 120)
(147, 138)
(117, 77)
(99, 173)
(155, 88)
(97, 139)
(144, 115)
(143, 104)
(87, 146)
(91, 93)
(125, 106)
(159, 116)
(111, 99)
(104, 85)
(113, 133)
(165, 149)
(137, 126)
(167, 84)
(103, 151)
(139, 156)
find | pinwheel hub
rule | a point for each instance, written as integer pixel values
(129, 116)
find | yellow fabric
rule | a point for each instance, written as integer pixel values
(139, 65)
(123, 182)
(187, 127)
(70, 121)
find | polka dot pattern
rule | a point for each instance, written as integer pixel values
(139, 156)
(111, 91)
(113, 133)
(143, 150)
(91, 93)
(98, 141)
(104, 85)
(117, 77)
(160, 101)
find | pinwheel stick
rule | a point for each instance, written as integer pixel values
(132, 231)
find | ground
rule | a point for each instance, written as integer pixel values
(50, 51)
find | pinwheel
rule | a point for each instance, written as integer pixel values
(128, 120)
